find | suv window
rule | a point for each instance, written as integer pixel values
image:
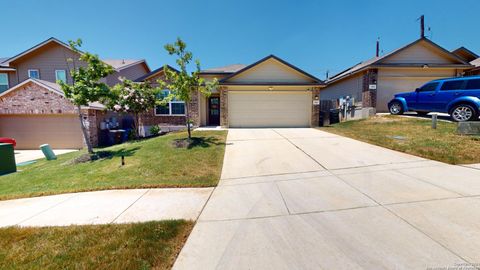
(428, 87)
(473, 84)
(452, 85)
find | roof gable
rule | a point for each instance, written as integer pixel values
(35, 48)
(423, 51)
(155, 73)
(465, 54)
(270, 70)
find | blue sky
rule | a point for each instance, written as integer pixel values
(313, 35)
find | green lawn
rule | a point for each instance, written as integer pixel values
(151, 245)
(413, 136)
(152, 162)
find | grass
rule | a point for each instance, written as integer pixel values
(149, 163)
(413, 136)
(151, 245)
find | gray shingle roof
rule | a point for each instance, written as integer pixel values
(225, 69)
(120, 63)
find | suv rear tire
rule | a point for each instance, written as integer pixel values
(463, 112)
(395, 108)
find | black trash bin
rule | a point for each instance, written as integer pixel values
(324, 118)
(334, 116)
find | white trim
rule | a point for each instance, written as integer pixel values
(8, 82)
(56, 77)
(28, 73)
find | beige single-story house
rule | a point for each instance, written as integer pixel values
(268, 93)
(374, 82)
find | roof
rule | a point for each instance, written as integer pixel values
(315, 79)
(476, 62)
(3, 59)
(154, 72)
(375, 60)
(119, 64)
(225, 69)
(39, 45)
(465, 54)
(55, 88)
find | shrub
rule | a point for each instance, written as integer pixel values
(154, 130)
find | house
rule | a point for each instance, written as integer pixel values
(373, 83)
(268, 93)
(476, 68)
(33, 108)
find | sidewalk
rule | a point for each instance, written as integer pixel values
(103, 207)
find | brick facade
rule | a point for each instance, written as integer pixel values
(315, 107)
(369, 96)
(223, 106)
(34, 99)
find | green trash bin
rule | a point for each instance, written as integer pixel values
(7, 159)
(48, 152)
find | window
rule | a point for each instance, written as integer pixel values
(33, 73)
(452, 85)
(429, 87)
(174, 107)
(61, 75)
(473, 84)
(3, 82)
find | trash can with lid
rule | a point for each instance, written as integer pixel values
(7, 159)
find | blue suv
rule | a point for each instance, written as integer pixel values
(459, 97)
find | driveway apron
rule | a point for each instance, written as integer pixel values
(308, 199)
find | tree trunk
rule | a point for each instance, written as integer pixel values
(136, 126)
(84, 131)
(187, 116)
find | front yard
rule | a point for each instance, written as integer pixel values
(154, 162)
(151, 245)
(413, 136)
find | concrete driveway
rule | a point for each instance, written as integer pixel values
(306, 199)
(29, 155)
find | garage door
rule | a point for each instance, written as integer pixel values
(269, 109)
(62, 131)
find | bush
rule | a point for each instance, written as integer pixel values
(154, 130)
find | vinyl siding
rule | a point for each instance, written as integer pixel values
(47, 59)
(270, 71)
(348, 87)
(422, 53)
(131, 73)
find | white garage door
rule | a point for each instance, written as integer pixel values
(60, 131)
(269, 109)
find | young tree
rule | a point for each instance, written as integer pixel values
(183, 84)
(86, 86)
(133, 97)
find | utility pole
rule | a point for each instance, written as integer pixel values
(422, 26)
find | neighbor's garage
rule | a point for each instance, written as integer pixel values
(394, 81)
(31, 131)
(269, 108)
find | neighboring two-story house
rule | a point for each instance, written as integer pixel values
(33, 109)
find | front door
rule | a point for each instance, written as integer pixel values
(214, 111)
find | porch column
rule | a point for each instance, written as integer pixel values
(369, 96)
(315, 107)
